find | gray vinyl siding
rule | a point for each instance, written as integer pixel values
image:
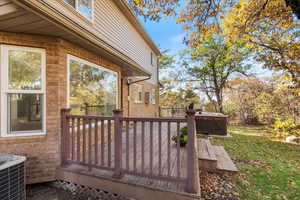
(112, 26)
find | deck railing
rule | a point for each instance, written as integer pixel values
(133, 146)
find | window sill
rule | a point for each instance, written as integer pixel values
(23, 139)
(23, 135)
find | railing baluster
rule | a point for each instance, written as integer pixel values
(127, 145)
(159, 148)
(109, 142)
(143, 146)
(78, 139)
(178, 149)
(68, 139)
(84, 140)
(169, 149)
(73, 140)
(118, 144)
(102, 142)
(151, 147)
(96, 142)
(134, 146)
(90, 144)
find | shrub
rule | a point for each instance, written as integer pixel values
(184, 130)
(183, 140)
(183, 137)
(284, 128)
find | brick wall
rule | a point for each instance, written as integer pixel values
(140, 109)
(43, 151)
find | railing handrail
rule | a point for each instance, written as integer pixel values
(150, 119)
(171, 108)
(91, 117)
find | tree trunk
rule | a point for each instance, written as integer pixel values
(218, 94)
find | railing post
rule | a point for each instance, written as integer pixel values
(64, 139)
(118, 114)
(192, 184)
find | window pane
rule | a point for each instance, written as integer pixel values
(71, 2)
(24, 70)
(153, 97)
(93, 91)
(140, 96)
(25, 112)
(85, 8)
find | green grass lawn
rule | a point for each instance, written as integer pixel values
(268, 169)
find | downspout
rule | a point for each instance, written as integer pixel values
(128, 90)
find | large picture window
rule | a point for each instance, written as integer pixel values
(93, 90)
(85, 7)
(22, 91)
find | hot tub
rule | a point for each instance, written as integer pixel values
(12, 177)
(211, 123)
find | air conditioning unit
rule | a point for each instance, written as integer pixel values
(12, 177)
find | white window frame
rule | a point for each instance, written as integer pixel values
(153, 59)
(138, 90)
(5, 91)
(153, 97)
(71, 57)
(78, 11)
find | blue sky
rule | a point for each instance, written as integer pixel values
(166, 34)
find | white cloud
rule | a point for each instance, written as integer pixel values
(178, 38)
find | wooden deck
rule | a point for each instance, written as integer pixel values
(137, 152)
(128, 154)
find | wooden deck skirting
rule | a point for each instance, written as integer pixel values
(140, 147)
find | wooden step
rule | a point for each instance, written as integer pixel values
(206, 155)
(224, 163)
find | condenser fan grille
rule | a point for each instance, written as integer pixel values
(12, 183)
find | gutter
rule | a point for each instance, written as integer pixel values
(132, 82)
(128, 90)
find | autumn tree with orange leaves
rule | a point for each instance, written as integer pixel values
(269, 27)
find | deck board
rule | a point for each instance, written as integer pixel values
(224, 161)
